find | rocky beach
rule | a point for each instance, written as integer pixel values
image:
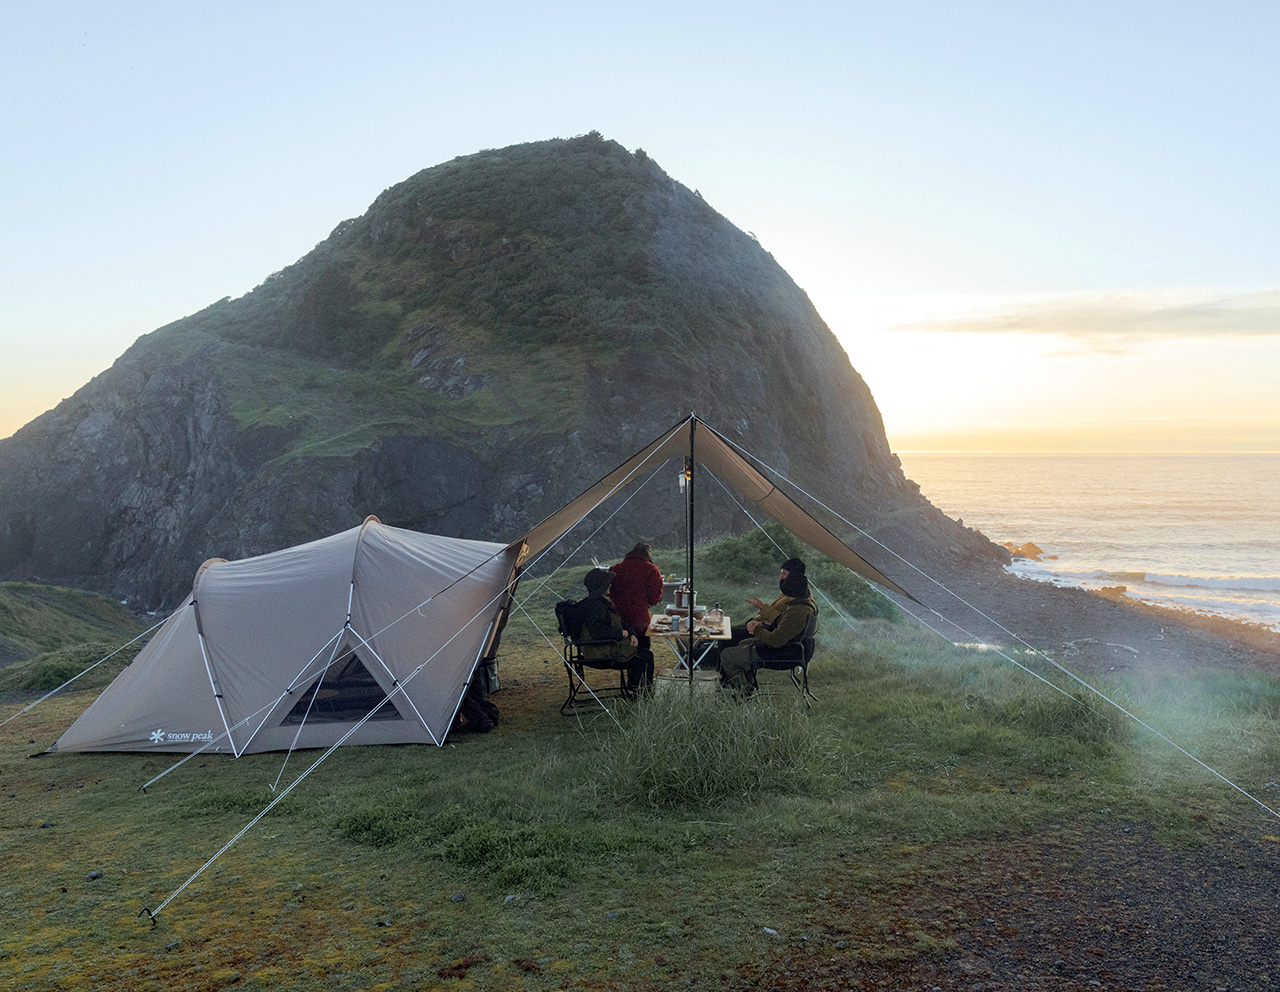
(1091, 632)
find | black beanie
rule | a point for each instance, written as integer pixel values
(794, 565)
(597, 581)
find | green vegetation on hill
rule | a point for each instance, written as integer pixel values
(753, 558)
(49, 629)
(475, 299)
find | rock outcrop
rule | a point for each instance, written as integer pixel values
(491, 337)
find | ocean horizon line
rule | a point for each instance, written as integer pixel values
(1109, 451)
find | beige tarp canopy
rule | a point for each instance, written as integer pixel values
(293, 648)
(714, 451)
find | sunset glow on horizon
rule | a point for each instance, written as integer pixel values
(941, 386)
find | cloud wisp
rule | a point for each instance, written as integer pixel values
(1115, 322)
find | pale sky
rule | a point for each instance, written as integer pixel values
(1032, 225)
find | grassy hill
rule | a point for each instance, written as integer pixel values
(51, 629)
(487, 340)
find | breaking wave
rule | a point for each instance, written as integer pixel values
(1249, 583)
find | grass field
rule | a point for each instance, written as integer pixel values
(690, 841)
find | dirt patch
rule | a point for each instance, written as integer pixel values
(1109, 908)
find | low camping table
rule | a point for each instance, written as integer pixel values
(703, 630)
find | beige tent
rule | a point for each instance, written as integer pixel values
(296, 647)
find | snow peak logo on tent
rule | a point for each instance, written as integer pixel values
(161, 736)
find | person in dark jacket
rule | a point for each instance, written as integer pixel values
(637, 585)
(783, 621)
(602, 622)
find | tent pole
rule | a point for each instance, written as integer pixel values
(693, 426)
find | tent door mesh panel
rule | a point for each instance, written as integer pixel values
(347, 693)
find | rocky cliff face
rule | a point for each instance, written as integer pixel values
(491, 337)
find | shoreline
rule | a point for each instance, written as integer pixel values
(1193, 541)
(1094, 631)
(1028, 555)
(1257, 636)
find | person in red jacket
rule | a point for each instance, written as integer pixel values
(636, 587)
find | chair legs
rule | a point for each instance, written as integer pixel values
(799, 678)
(578, 688)
(801, 682)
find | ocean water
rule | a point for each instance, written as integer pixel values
(1195, 532)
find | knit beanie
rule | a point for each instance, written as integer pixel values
(598, 581)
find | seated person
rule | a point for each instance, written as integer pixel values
(766, 613)
(602, 622)
(636, 587)
(788, 616)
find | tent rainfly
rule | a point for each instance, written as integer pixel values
(291, 648)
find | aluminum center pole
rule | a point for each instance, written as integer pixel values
(693, 426)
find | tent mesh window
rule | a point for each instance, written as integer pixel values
(347, 693)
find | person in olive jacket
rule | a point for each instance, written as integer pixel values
(766, 613)
(780, 622)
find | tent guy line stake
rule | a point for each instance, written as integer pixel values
(1065, 671)
(152, 914)
(399, 687)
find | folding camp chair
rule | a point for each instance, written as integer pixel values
(793, 657)
(575, 662)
